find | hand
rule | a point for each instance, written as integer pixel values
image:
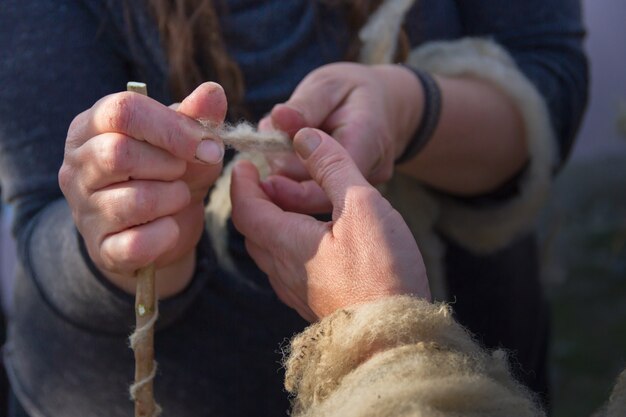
(371, 110)
(134, 177)
(364, 253)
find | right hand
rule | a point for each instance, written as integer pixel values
(134, 179)
(366, 252)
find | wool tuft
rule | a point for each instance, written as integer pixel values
(244, 137)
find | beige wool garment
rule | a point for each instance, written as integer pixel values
(404, 357)
(400, 356)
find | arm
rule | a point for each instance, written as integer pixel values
(374, 351)
(479, 142)
(544, 40)
(73, 56)
(506, 102)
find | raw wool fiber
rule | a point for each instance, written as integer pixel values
(380, 35)
(399, 356)
(244, 137)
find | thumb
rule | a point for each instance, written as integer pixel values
(208, 104)
(310, 105)
(329, 164)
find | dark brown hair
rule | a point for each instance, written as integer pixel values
(192, 40)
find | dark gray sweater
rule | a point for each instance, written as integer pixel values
(217, 342)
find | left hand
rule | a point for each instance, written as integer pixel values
(371, 110)
(366, 252)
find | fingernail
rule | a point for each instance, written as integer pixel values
(210, 152)
(306, 142)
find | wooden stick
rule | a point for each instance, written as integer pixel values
(142, 340)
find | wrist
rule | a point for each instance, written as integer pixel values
(430, 115)
(405, 102)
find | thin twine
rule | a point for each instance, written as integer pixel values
(140, 334)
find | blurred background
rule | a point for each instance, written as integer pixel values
(584, 231)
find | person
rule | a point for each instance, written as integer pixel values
(377, 347)
(127, 202)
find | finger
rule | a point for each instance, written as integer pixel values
(262, 221)
(133, 203)
(131, 249)
(261, 257)
(288, 165)
(310, 104)
(110, 158)
(143, 118)
(329, 165)
(289, 118)
(366, 142)
(288, 295)
(265, 124)
(206, 103)
(305, 197)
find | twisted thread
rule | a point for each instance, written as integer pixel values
(244, 137)
(137, 338)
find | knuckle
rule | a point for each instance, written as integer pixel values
(118, 112)
(124, 257)
(115, 155)
(368, 195)
(76, 127)
(65, 178)
(330, 85)
(362, 198)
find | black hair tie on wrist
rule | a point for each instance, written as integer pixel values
(430, 116)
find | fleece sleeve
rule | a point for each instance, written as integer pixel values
(399, 356)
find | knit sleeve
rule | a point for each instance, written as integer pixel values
(399, 356)
(545, 39)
